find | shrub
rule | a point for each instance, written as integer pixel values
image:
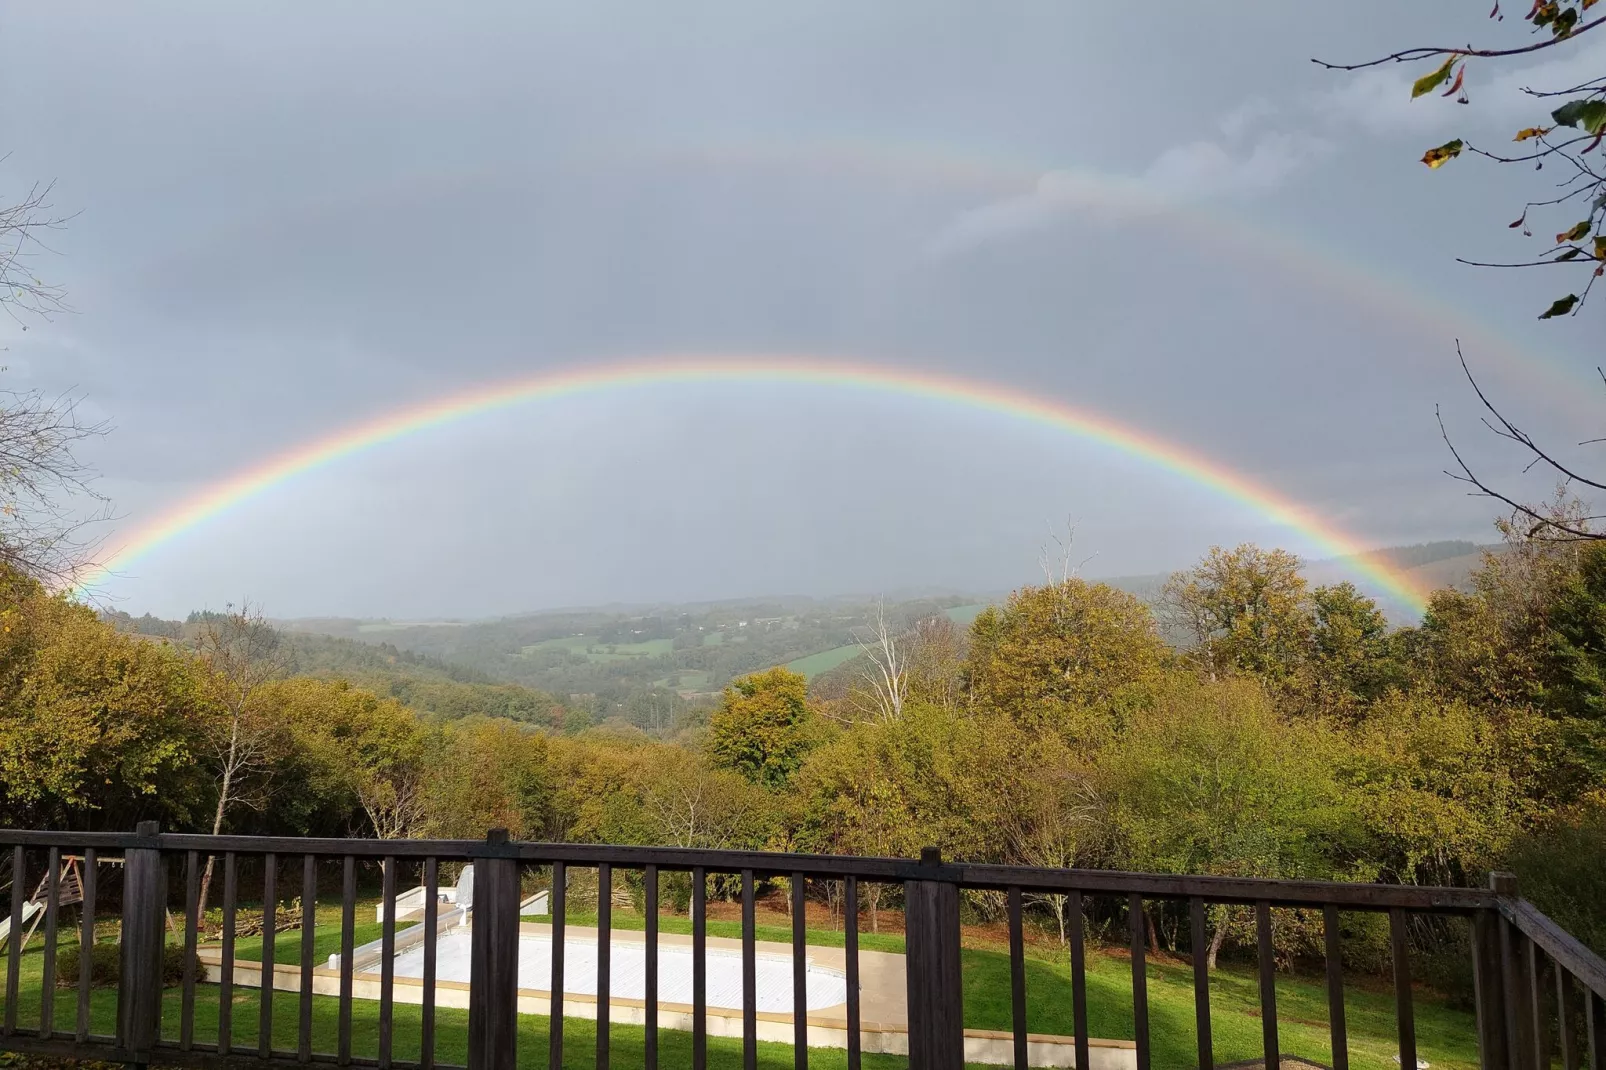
(105, 964)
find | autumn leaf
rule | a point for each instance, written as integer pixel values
(1587, 4)
(1570, 254)
(1446, 152)
(1532, 132)
(1560, 307)
(1455, 87)
(1515, 223)
(1574, 234)
(1600, 247)
(1429, 82)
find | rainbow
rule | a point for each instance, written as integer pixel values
(547, 386)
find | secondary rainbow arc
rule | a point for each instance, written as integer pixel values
(240, 487)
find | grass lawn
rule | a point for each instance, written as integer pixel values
(1445, 1037)
(824, 661)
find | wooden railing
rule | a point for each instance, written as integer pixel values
(1540, 994)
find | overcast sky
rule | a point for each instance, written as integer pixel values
(295, 218)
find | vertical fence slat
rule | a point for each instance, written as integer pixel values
(559, 896)
(933, 980)
(86, 943)
(1079, 981)
(1268, 987)
(1337, 1023)
(139, 981)
(1487, 983)
(699, 969)
(604, 960)
(1595, 1021)
(309, 928)
(19, 875)
(1536, 1006)
(270, 925)
(387, 964)
(493, 992)
(47, 984)
(225, 972)
(1404, 1008)
(192, 921)
(1564, 1021)
(800, 973)
(850, 941)
(1519, 1025)
(1017, 978)
(348, 939)
(749, 977)
(1140, 981)
(1201, 984)
(432, 913)
(650, 978)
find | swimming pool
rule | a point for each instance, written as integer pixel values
(773, 974)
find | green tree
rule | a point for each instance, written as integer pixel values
(1063, 656)
(96, 727)
(1352, 658)
(1246, 610)
(1212, 779)
(762, 728)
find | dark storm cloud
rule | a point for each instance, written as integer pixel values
(294, 220)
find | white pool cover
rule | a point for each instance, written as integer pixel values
(826, 988)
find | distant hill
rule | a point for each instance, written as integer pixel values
(431, 686)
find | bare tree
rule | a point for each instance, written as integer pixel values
(888, 672)
(22, 227)
(241, 652)
(47, 496)
(1543, 522)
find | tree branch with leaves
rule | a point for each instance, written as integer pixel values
(1572, 137)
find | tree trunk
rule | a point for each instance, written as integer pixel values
(217, 817)
(1217, 938)
(1154, 932)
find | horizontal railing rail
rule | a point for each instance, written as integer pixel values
(169, 891)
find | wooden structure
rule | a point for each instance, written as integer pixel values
(1535, 984)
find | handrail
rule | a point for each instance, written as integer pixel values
(1346, 894)
(1562, 946)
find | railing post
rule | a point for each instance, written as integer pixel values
(493, 992)
(139, 988)
(1489, 980)
(931, 934)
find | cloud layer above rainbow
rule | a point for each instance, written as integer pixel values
(547, 386)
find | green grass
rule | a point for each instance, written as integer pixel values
(593, 649)
(325, 942)
(451, 1029)
(1445, 1037)
(963, 615)
(824, 661)
(713, 639)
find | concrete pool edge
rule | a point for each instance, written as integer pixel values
(825, 1030)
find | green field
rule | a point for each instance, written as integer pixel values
(963, 615)
(592, 648)
(714, 639)
(688, 679)
(824, 661)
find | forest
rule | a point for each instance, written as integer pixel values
(1292, 734)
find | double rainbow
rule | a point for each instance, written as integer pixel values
(194, 512)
